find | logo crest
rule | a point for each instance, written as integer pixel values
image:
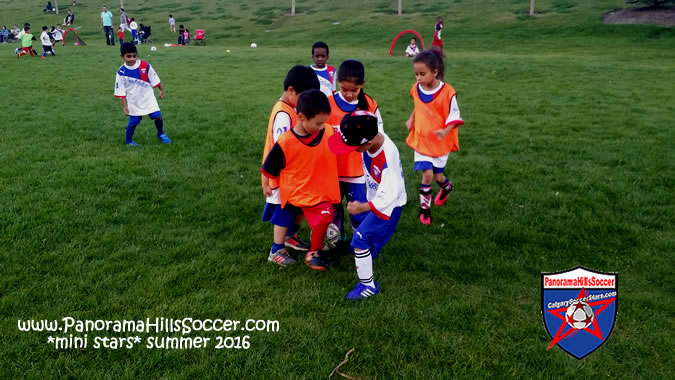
(579, 308)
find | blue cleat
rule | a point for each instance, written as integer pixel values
(164, 138)
(361, 291)
(133, 144)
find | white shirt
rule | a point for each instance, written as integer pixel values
(385, 187)
(58, 34)
(172, 21)
(409, 51)
(140, 94)
(44, 38)
(133, 25)
(326, 79)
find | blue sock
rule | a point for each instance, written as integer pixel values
(159, 124)
(292, 230)
(131, 128)
(276, 247)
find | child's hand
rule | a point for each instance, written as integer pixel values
(441, 133)
(409, 124)
(125, 109)
(267, 189)
(161, 93)
(357, 207)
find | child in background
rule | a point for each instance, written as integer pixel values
(172, 24)
(58, 34)
(438, 28)
(46, 42)
(134, 30)
(433, 128)
(386, 193)
(120, 35)
(307, 171)
(134, 85)
(350, 98)
(186, 36)
(181, 30)
(26, 43)
(412, 49)
(282, 118)
(325, 73)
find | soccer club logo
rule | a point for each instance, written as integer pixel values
(579, 309)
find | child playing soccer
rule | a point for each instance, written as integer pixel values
(26, 43)
(438, 28)
(134, 85)
(307, 172)
(283, 118)
(433, 128)
(412, 49)
(120, 35)
(134, 30)
(325, 73)
(351, 97)
(46, 42)
(386, 193)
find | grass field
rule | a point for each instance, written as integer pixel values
(567, 158)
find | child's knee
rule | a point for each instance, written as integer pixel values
(427, 176)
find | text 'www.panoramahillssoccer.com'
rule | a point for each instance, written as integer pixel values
(150, 333)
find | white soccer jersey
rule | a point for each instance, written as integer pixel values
(282, 123)
(326, 78)
(136, 84)
(44, 38)
(385, 187)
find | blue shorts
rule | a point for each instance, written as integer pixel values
(374, 232)
(354, 192)
(426, 165)
(283, 217)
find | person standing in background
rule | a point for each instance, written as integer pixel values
(106, 25)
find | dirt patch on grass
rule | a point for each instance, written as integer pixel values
(657, 16)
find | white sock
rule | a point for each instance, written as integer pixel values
(364, 267)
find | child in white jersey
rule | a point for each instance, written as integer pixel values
(134, 85)
(46, 42)
(325, 73)
(385, 189)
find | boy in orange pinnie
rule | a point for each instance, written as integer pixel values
(307, 171)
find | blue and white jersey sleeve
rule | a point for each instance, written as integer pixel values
(120, 86)
(454, 116)
(152, 75)
(385, 186)
(282, 123)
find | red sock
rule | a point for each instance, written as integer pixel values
(318, 234)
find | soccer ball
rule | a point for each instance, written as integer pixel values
(579, 316)
(254, 45)
(332, 235)
(153, 48)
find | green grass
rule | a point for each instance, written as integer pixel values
(567, 158)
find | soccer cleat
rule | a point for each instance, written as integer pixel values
(361, 291)
(294, 242)
(315, 261)
(164, 138)
(133, 144)
(281, 257)
(425, 216)
(442, 195)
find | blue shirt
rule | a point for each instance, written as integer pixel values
(107, 18)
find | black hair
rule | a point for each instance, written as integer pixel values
(170, 15)
(320, 45)
(312, 103)
(127, 47)
(44, 27)
(133, 19)
(433, 58)
(302, 78)
(26, 28)
(122, 9)
(353, 71)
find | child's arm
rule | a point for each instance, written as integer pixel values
(161, 91)
(125, 107)
(267, 189)
(411, 121)
(453, 120)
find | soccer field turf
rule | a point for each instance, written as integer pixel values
(567, 158)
